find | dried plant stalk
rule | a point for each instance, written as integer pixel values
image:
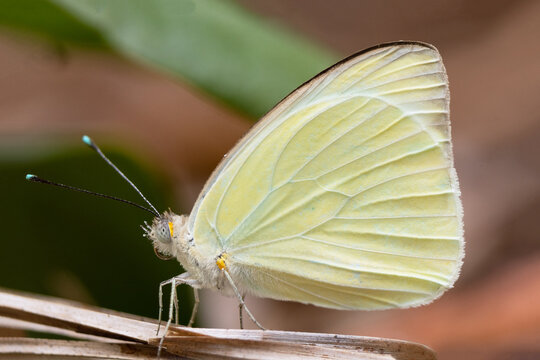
(59, 349)
(136, 337)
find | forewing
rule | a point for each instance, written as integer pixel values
(345, 195)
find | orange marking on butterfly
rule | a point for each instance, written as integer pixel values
(171, 228)
(220, 261)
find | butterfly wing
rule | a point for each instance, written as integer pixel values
(345, 194)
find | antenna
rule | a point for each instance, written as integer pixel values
(86, 139)
(34, 178)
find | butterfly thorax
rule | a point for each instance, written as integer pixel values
(181, 245)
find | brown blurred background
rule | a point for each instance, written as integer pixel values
(492, 54)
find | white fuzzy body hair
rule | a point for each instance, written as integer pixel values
(202, 268)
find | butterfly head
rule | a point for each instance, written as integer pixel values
(163, 231)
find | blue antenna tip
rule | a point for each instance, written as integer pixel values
(86, 139)
(30, 176)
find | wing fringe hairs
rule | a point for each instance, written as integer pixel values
(114, 335)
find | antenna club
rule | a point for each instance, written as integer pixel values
(86, 139)
(30, 177)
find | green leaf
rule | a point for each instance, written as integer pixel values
(213, 44)
(50, 21)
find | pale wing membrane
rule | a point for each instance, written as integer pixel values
(347, 198)
(308, 290)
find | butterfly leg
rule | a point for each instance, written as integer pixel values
(241, 300)
(176, 304)
(178, 280)
(195, 307)
(174, 282)
(240, 312)
(160, 295)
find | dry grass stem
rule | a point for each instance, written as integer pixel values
(114, 335)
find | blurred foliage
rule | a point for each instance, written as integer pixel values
(215, 45)
(72, 245)
(49, 21)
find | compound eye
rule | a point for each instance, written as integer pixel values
(164, 232)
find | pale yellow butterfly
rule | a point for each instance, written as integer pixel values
(343, 196)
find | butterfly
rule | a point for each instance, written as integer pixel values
(343, 196)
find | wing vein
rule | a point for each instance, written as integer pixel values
(420, 63)
(334, 216)
(400, 79)
(367, 61)
(395, 217)
(323, 284)
(375, 150)
(341, 136)
(297, 205)
(342, 181)
(409, 196)
(273, 171)
(309, 121)
(413, 88)
(330, 243)
(382, 271)
(381, 66)
(375, 251)
(400, 177)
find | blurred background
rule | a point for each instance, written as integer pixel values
(168, 87)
